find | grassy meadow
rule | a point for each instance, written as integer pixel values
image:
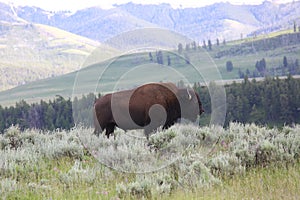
(240, 162)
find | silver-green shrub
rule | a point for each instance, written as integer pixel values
(184, 156)
(78, 174)
(225, 164)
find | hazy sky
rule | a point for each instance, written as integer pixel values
(55, 5)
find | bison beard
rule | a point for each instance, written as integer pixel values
(148, 106)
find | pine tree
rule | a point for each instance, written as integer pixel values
(285, 62)
(159, 57)
(151, 57)
(180, 48)
(187, 58)
(35, 116)
(187, 47)
(297, 66)
(2, 121)
(285, 109)
(247, 72)
(229, 66)
(241, 74)
(194, 45)
(261, 66)
(224, 42)
(204, 44)
(169, 60)
(49, 117)
(209, 45)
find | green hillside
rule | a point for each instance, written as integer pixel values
(33, 51)
(132, 69)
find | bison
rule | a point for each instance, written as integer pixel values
(148, 106)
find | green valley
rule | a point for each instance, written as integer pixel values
(194, 64)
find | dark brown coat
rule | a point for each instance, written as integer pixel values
(148, 106)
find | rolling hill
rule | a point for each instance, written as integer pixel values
(35, 51)
(128, 70)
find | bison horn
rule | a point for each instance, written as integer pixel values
(190, 96)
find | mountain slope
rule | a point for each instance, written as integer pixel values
(8, 14)
(198, 23)
(34, 51)
(220, 20)
(95, 23)
(276, 16)
(102, 27)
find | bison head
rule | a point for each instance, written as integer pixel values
(190, 104)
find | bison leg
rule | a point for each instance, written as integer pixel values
(97, 132)
(109, 129)
(148, 130)
(168, 125)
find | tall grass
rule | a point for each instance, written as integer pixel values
(184, 161)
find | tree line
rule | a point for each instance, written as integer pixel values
(288, 66)
(183, 56)
(43, 115)
(266, 44)
(59, 113)
(271, 102)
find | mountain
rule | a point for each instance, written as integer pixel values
(95, 23)
(220, 20)
(34, 51)
(274, 17)
(8, 15)
(36, 43)
(31, 51)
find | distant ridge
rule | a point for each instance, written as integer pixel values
(220, 20)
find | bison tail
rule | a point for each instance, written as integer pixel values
(97, 126)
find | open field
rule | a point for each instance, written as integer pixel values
(240, 162)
